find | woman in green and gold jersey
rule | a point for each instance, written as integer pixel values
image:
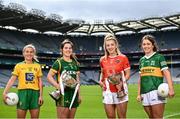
(153, 68)
(67, 66)
(30, 87)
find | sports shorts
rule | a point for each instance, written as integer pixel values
(111, 98)
(65, 100)
(152, 98)
(28, 99)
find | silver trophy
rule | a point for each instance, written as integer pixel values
(66, 80)
(116, 79)
(55, 94)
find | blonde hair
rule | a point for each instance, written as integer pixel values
(107, 38)
(73, 56)
(34, 49)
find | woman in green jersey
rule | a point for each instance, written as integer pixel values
(30, 87)
(66, 66)
(153, 68)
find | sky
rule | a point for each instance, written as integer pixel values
(102, 10)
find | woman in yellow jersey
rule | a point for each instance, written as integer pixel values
(30, 87)
(68, 66)
(153, 68)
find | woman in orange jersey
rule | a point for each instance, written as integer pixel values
(30, 88)
(115, 71)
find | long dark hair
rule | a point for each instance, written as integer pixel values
(73, 56)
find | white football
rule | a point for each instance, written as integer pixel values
(12, 99)
(163, 90)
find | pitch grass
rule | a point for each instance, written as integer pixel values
(92, 107)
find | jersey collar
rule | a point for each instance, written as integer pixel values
(147, 57)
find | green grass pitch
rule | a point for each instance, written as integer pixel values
(92, 107)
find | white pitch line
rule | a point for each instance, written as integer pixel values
(172, 115)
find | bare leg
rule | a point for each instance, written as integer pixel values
(62, 112)
(34, 113)
(110, 110)
(158, 110)
(21, 114)
(122, 109)
(148, 110)
(72, 113)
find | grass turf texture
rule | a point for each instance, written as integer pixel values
(92, 107)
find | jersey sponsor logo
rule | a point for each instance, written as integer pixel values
(29, 76)
(151, 71)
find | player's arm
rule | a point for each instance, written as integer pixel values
(8, 86)
(51, 80)
(126, 68)
(127, 74)
(139, 98)
(40, 91)
(101, 79)
(167, 75)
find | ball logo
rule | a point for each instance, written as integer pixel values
(12, 99)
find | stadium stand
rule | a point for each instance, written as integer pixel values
(89, 47)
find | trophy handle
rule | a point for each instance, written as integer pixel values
(61, 82)
(124, 83)
(74, 95)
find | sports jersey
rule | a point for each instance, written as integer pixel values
(28, 75)
(151, 71)
(71, 68)
(113, 65)
(60, 65)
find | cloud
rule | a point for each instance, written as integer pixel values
(117, 10)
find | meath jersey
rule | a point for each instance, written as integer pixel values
(60, 65)
(151, 72)
(28, 75)
(113, 65)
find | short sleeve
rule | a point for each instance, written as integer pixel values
(163, 63)
(39, 74)
(16, 70)
(126, 63)
(55, 66)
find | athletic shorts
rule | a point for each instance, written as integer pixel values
(111, 98)
(28, 99)
(65, 101)
(152, 98)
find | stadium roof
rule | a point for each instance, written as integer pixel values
(17, 16)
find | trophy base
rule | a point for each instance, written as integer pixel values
(120, 94)
(55, 95)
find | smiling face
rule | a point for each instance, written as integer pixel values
(28, 54)
(147, 46)
(67, 50)
(111, 47)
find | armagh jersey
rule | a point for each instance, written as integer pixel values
(60, 65)
(113, 65)
(151, 72)
(28, 75)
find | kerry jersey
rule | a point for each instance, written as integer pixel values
(151, 72)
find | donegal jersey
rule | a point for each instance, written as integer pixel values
(60, 65)
(28, 75)
(113, 65)
(151, 72)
